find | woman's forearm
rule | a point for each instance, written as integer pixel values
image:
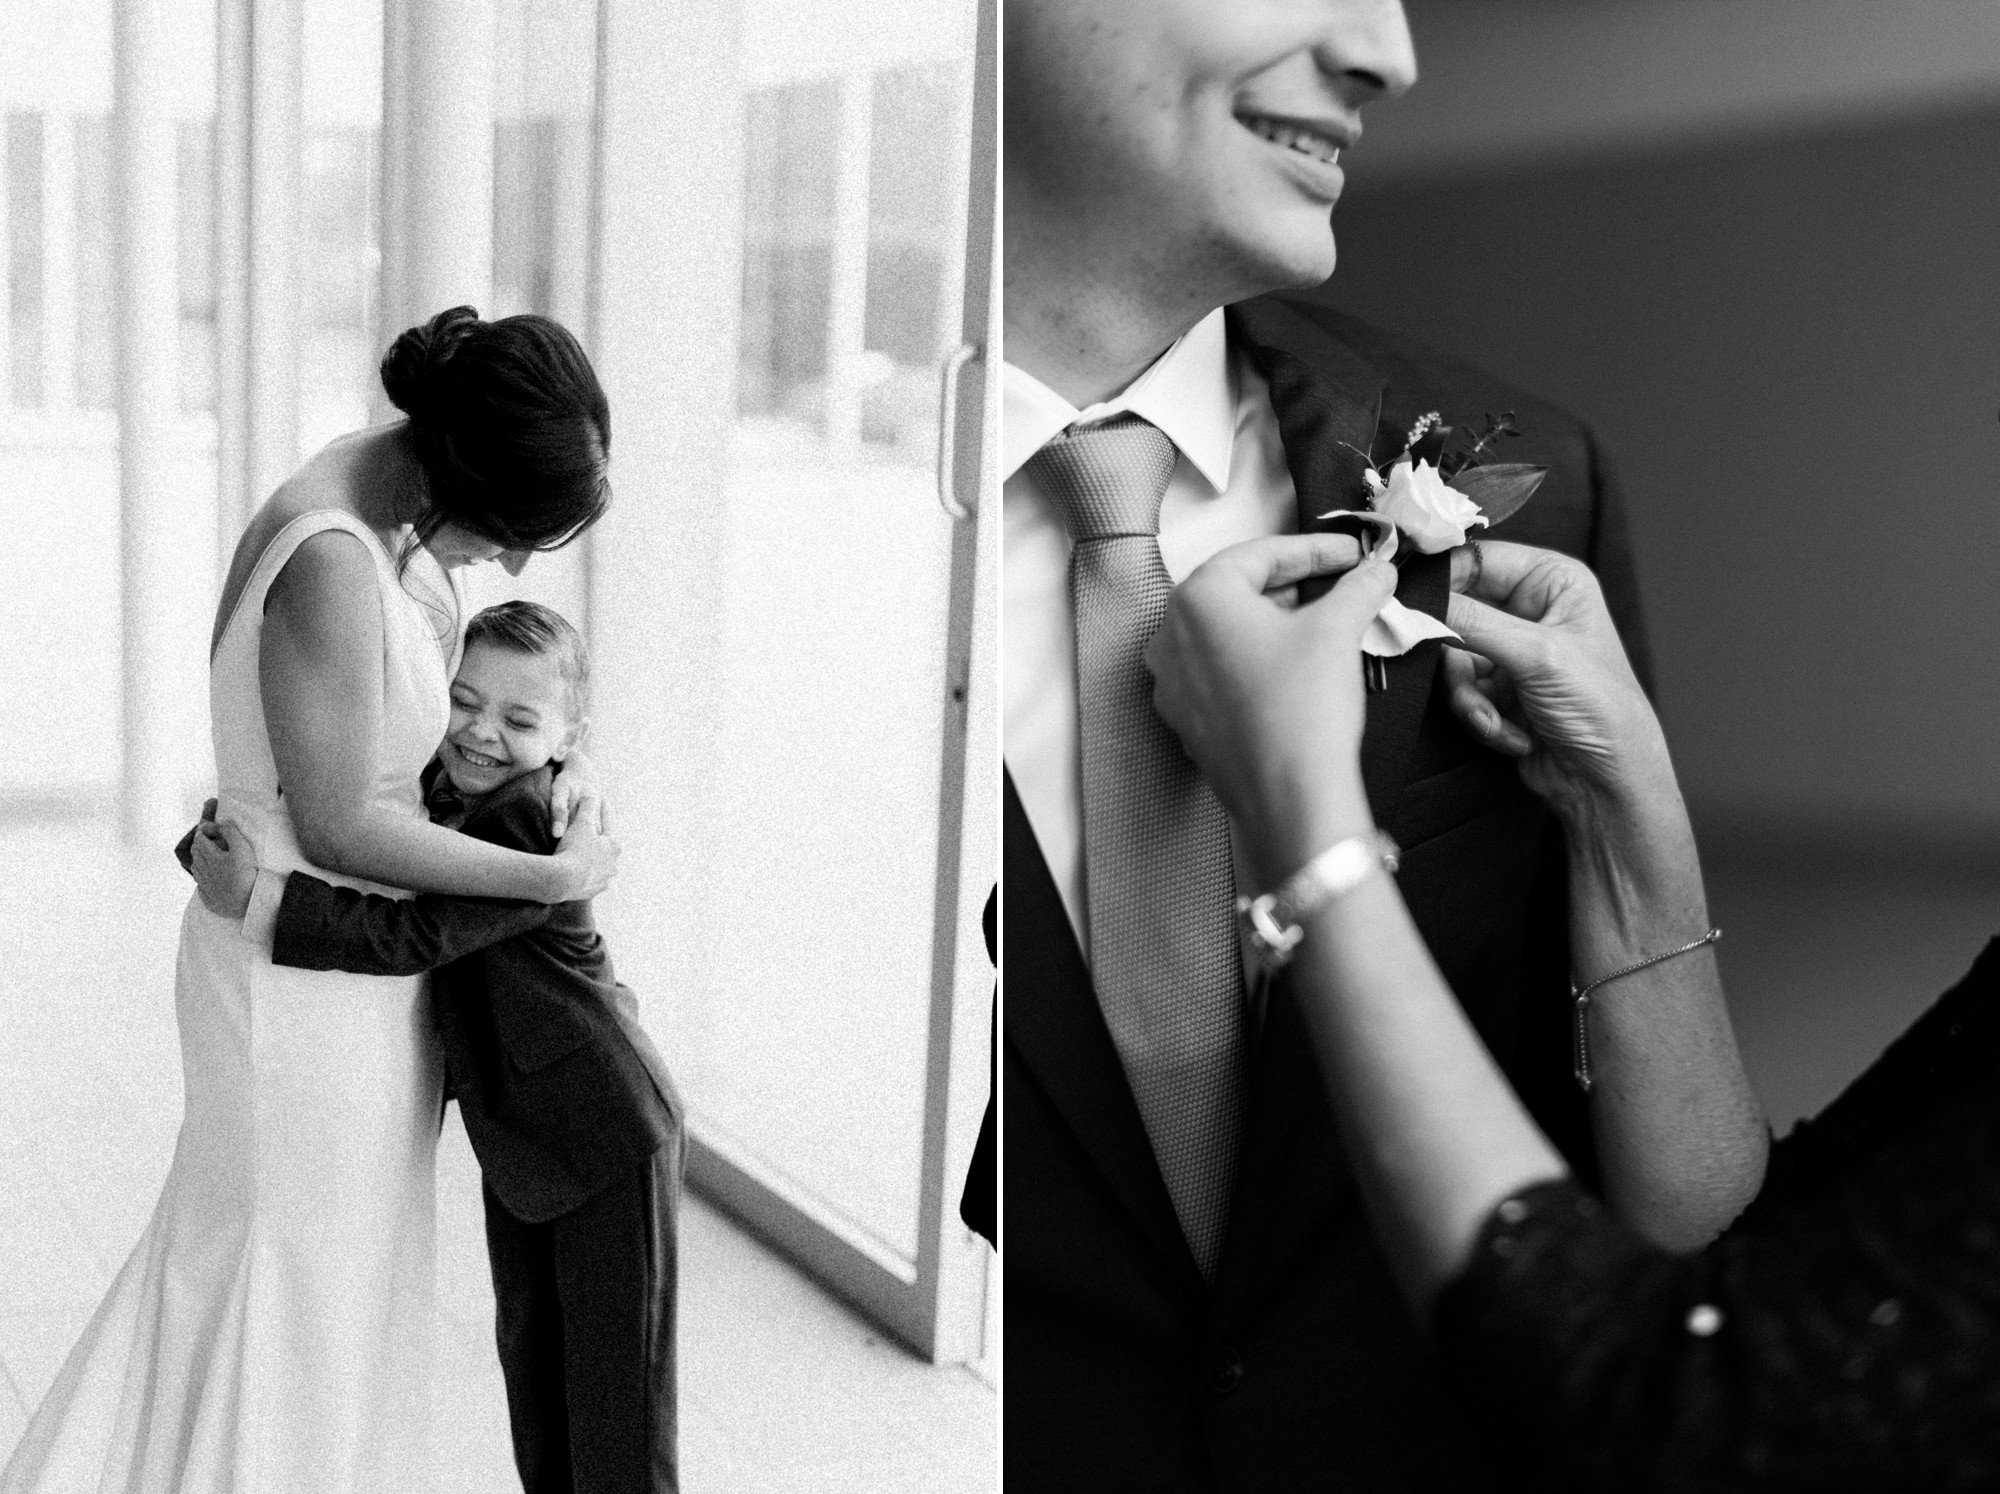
(376, 843)
(1681, 1140)
(1436, 1136)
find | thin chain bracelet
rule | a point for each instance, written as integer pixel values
(1580, 996)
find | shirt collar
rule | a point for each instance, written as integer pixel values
(1189, 392)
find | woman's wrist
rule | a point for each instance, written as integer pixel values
(1294, 823)
(556, 883)
(1635, 877)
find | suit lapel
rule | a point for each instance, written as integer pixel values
(1056, 1029)
(1327, 400)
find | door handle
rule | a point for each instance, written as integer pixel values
(947, 447)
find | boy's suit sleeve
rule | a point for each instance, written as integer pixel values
(324, 927)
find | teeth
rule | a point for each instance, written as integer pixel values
(477, 759)
(1305, 142)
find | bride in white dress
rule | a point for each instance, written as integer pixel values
(272, 1330)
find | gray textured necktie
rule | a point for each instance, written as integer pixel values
(1163, 947)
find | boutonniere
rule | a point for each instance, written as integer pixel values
(1442, 481)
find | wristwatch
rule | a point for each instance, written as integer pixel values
(1271, 922)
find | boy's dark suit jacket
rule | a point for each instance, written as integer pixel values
(1299, 1368)
(560, 1089)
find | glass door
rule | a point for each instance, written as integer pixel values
(792, 605)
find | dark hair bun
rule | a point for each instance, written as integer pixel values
(509, 423)
(414, 371)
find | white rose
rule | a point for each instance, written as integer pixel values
(1418, 502)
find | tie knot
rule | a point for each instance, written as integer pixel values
(1108, 479)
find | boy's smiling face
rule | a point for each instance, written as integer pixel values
(510, 714)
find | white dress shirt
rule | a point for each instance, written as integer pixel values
(1230, 484)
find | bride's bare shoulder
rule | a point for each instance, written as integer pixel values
(328, 479)
(325, 481)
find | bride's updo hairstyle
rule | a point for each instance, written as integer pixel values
(509, 424)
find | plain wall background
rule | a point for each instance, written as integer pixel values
(1791, 346)
(1757, 246)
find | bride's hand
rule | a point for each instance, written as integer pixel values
(577, 797)
(1267, 695)
(1545, 678)
(586, 861)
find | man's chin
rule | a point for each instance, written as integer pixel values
(1291, 257)
(1309, 260)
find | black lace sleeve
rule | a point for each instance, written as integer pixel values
(1843, 1335)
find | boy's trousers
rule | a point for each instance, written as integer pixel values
(585, 1314)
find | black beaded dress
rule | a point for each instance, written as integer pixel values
(1843, 1334)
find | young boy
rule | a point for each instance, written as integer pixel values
(577, 1126)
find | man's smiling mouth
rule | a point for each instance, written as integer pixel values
(1304, 139)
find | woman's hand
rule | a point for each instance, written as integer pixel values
(577, 797)
(1546, 679)
(1680, 1138)
(585, 862)
(1267, 695)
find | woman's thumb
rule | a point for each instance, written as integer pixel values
(1357, 596)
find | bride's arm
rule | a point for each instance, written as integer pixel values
(320, 675)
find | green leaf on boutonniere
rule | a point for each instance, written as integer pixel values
(1499, 487)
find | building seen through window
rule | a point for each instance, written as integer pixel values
(849, 275)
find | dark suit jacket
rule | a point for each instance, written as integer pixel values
(560, 1089)
(1299, 1368)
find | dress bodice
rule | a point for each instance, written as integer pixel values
(274, 1326)
(416, 681)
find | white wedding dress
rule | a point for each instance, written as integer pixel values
(272, 1331)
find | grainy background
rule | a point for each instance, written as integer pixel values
(1756, 247)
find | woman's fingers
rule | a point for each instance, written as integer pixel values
(1492, 569)
(1286, 559)
(1471, 697)
(1357, 596)
(1467, 562)
(1235, 593)
(1527, 581)
(1509, 641)
(571, 804)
